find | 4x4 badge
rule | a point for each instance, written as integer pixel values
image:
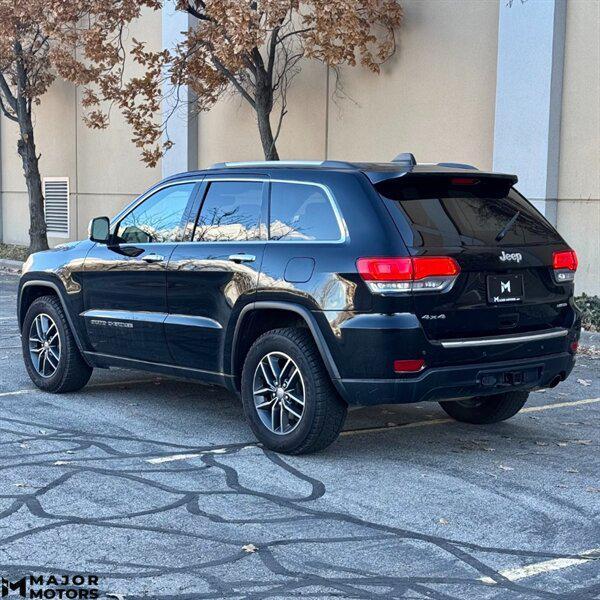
(516, 256)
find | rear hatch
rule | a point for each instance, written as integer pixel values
(503, 246)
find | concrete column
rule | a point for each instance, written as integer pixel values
(531, 41)
(178, 105)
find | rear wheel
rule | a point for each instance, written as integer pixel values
(288, 398)
(486, 409)
(51, 356)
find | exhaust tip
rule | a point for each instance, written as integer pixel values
(556, 380)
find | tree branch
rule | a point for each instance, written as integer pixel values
(231, 77)
(7, 92)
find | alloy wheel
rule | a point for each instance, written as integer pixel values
(44, 345)
(279, 393)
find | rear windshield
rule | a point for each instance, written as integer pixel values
(463, 211)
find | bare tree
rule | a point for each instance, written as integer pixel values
(38, 41)
(254, 48)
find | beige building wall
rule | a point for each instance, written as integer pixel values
(579, 172)
(435, 98)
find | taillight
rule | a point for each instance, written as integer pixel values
(564, 264)
(406, 274)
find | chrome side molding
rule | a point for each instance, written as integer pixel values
(505, 339)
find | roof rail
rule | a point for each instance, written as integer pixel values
(457, 166)
(285, 163)
(406, 158)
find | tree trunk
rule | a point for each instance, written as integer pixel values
(264, 105)
(38, 240)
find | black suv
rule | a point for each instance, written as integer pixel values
(306, 287)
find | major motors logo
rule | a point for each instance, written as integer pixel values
(50, 587)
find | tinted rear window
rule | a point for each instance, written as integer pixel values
(437, 212)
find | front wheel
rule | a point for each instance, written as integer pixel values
(50, 352)
(288, 398)
(486, 409)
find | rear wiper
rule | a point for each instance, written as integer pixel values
(507, 227)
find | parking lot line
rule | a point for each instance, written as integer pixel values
(531, 409)
(555, 564)
(15, 393)
(174, 457)
(429, 422)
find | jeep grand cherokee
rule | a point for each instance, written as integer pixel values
(305, 287)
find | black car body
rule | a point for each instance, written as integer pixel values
(413, 282)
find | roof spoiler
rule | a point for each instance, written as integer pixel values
(457, 166)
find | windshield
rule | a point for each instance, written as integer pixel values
(464, 211)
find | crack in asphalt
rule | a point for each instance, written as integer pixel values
(284, 576)
(202, 512)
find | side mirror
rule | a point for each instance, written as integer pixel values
(99, 230)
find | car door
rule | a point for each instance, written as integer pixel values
(124, 282)
(215, 274)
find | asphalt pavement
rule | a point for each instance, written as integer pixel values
(157, 488)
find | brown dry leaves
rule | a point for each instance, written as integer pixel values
(253, 48)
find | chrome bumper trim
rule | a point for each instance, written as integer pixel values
(505, 339)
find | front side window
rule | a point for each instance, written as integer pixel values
(230, 212)
(301, 212)
(157, 219)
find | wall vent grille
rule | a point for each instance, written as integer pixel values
(56, 205)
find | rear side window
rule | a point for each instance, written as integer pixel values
(461, 211)
(301, 212)
(230, 212)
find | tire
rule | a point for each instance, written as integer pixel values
(486, 409)
(323, 413)
(69, 372)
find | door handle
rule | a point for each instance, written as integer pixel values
(153, 258)
(240, 258)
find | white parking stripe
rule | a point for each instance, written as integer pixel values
(174, 457)
(16, 392)
(531, 409)
(429, 422)
(544, 567)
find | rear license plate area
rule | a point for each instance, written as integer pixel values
(504, 288)
(511, 377)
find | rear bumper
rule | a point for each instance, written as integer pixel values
(446, 383)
